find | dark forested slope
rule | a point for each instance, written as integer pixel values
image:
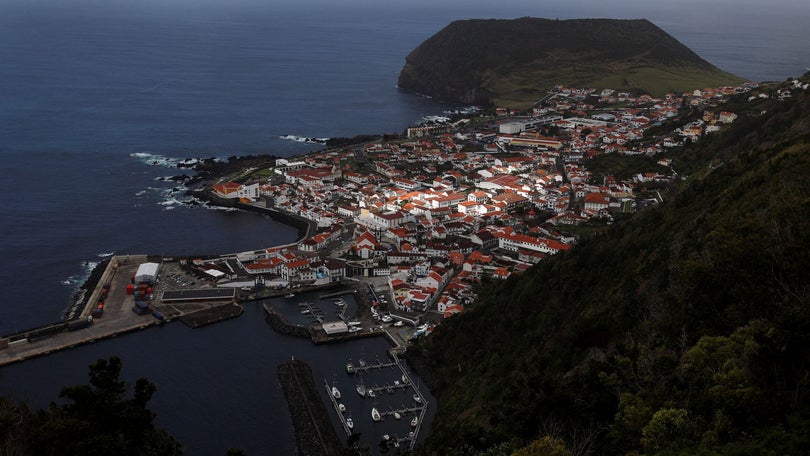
(683, 330)
(513, 62)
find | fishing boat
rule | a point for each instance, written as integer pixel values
(375, 414)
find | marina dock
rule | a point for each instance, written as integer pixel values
(340, 414)
(406, 413)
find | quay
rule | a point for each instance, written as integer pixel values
(116, 318)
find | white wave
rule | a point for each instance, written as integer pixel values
(169, 202)
(219, 208)
(140, 155)
(155, 159)
(141, 193)
(303, 139)
(78, 279)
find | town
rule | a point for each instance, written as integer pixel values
(455, 203)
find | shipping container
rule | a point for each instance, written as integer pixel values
(75, 325)
(139, 310)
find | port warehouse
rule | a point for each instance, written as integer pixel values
(146, 273)
(206, 295)
(332, 328)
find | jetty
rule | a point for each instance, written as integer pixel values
(340, 415)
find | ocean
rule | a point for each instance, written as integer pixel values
(100, 100)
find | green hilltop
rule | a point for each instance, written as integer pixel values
(514, 62)
(683, 330)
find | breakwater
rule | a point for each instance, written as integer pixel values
(314, 433)
(281, 326)
(212, 315)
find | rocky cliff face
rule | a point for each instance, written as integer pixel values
(476, 61)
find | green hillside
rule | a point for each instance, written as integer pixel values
(514, 62)
(684, 330)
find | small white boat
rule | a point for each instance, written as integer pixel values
(414, 421)
(417, 398)
(349, 423)
(397, 415)
(404, 378)
(371, 393)
(335, 392)
(399, 323)
(361, 390)
(375, 414)
(305, 311)
(289, 295)
(396, 382)
(386, 437)
(341, 407)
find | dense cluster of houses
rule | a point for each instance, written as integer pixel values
(439, 211)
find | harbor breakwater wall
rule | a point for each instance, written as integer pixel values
(281, 326)
(314, 433)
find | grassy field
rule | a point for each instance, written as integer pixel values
(522, 87)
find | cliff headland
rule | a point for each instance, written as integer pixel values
(514, 62)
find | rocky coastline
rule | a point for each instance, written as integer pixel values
(314, 433)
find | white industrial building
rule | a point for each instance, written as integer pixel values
(146, 273)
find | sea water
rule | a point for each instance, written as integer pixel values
(100, 100)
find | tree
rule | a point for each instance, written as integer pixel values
(666, 429)
(544, 446)
(99, 419)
